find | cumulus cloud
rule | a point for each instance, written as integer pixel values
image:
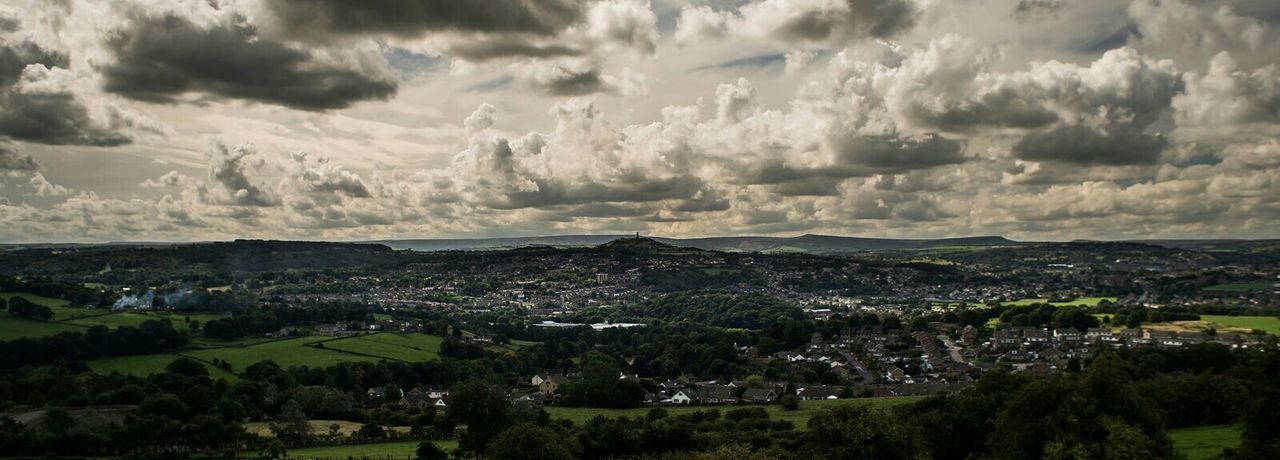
(40, 101)
(14, 161)
(164, 57)
(1196, 31)
(1227, 96)
(800, 21)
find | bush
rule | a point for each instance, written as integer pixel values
(790, 402)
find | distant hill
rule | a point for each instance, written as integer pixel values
(809, 244)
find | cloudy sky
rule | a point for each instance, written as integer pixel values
(332, 119)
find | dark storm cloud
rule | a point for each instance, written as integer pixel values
(413, 18)
(14, 161)
(1121, 145)
(891, 153)
(9, 24)
(552, 192)
(161, 58)
(46, 117)
(1008, 107)
(482, 50)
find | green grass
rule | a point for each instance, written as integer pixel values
(397, 347)
(144, 365)
(13, 328)
(397, 449)
(1270, 324)
(1206, 441)
(286, 353)
(1078, 302)
(132, 318)
(1239, 287)
(62, 309)
(800, 417)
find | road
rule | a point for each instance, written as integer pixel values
(953, 347)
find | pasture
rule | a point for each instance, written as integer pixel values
(800, 417)
(144, 365)
(13, 328)
(1270, 324)
(1206, 441)
(382, 450)
(285, 352)
(394, 347)
(1077, 302)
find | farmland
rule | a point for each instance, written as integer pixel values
(1077, 302)
(382, 450)
(144, 365)
(1270, 324)
(12, 327)
(1205, 442)
(799, 417)
(286, 353)
(394, 347)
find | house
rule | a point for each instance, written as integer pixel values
(549, 386)
(759, 395)
(817, 392)
(716, 394)
(895, 374)
(680, 397)
(970, 335)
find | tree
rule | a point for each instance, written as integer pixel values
(20, 306)
(531, 442)
(483, 408)
(188, 367)
(292, 425)
(371, 430)
(857, 432)
(427, 450)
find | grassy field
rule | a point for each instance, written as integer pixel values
(286, 353)
(130, 318)
(1270, 324)
(144, 365)
(396, 347)
(1205, 442)
(799, 417)
(12, 327)
(382, 450)
(62, 310)
(1078, 302)
(1238, 287)
(318, 427)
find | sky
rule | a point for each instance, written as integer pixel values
(182, 120)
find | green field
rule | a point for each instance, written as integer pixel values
(1078, 302)
(62, 310)
(286, 353)
(144, 365)
(397, 347)
(12, 327)
(398, 450)
(1238, 287)
(799, 417)
(1270, 324)
(1206, 441)
(130, 318)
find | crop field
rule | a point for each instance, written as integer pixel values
(382, 450)
(144, 365)
(286, 353)
(800, 417)
(397, 347)
(1078, 302)
(1206, 441)
(1239, 287)
(319, 427)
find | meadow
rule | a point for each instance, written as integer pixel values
(1206, 441)
(285, 352)
(144, 365)
(1077, 302)
(394, 347)
(1270, 324)
(381, 450)
(800, 417)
